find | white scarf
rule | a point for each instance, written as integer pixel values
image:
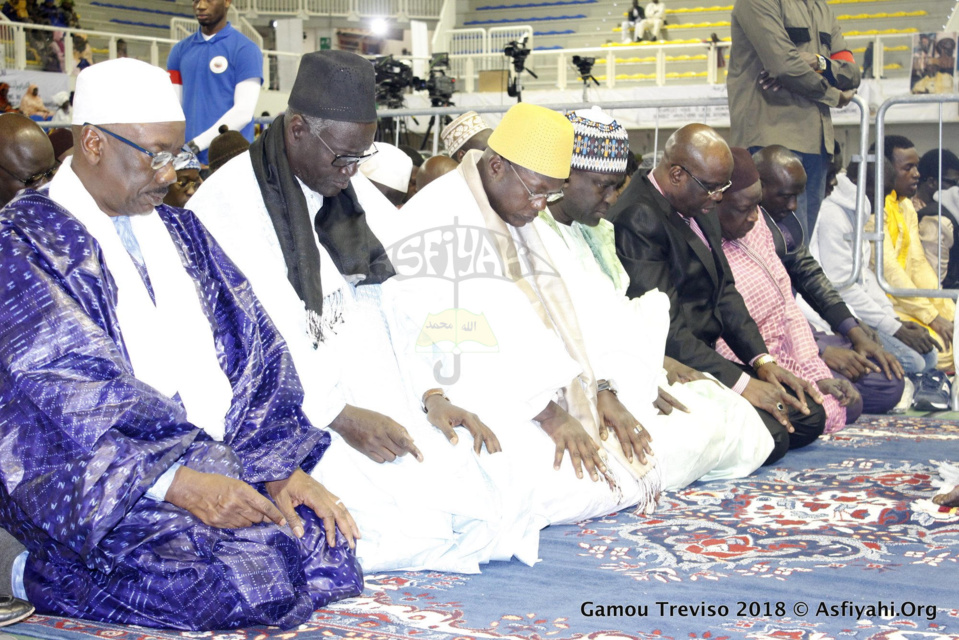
(171, 344)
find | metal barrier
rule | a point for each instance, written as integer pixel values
(879, 235)
(471, 50)
(704, 103)
(96, 41)
(465, 43)
(354, 9)
(860, 195)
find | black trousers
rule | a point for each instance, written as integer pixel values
(807, 428)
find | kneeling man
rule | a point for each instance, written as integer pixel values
(157, 457)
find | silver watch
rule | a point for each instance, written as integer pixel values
(607, 385)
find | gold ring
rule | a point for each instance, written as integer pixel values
(638, 429)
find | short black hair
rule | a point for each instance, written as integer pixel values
(891, 143)
(929, 163)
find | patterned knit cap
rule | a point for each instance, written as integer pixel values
(600, 143)
(459, 131)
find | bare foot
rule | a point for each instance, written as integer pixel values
(950, 499)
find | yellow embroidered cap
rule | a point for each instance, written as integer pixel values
(536, 138)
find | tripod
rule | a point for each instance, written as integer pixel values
(585, 68)
(518, 52)
(436, 101)
(515, 87)
(586, 80)
(392, 130)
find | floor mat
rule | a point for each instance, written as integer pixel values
(837, 540)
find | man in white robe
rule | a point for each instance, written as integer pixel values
(295, 216)
(479, 312)
(719, 435)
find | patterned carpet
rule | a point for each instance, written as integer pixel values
(836, 541)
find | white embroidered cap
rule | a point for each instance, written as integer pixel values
(460, 130)
(125, 91)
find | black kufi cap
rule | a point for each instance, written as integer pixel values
(335, 85)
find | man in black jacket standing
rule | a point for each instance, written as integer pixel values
(668, 239)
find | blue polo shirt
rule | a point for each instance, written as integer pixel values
(209, 71)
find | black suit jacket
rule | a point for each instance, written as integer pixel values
(805, 272)
(660, 251)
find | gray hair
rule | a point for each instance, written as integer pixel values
(317, 125)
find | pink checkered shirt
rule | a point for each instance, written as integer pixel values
(762, 281)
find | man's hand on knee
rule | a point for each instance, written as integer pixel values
(378, 437)
(771, 399)
(221, 501)
(943, 327)
(777, 376)
(301, 489)
(916, 337)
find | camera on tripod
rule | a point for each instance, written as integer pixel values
(584, 65)
(392, 77)
(440, 86)
(518, 51)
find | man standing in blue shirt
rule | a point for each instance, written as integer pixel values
(218, 72)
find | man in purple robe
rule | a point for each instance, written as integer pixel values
(156, 458)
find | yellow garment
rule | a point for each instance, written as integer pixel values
(905, 266)
(939, 83)
(896, 228)
(536, 138)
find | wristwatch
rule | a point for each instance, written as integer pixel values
(607, 385)
(822, 63)
(762, 361)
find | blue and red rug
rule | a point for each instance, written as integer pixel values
(836, 541)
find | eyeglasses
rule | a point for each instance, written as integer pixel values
(550, 196)
(185, 184)
(348, 160)
(34, 181)
(157, 160)
(709, 191)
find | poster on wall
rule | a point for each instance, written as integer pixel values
(48, 84)
(933, 63)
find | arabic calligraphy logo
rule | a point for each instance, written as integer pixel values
(458, 254)
(456, 331)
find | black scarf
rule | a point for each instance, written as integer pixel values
(340, 224)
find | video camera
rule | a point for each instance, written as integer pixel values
(392, 76)
(584, 65)
(440, 86)
(518, 51)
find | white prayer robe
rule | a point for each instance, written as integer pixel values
(442, 514)
(453, 310)
(722, 436)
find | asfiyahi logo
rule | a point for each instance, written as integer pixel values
(462, 252)
(459, 253)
